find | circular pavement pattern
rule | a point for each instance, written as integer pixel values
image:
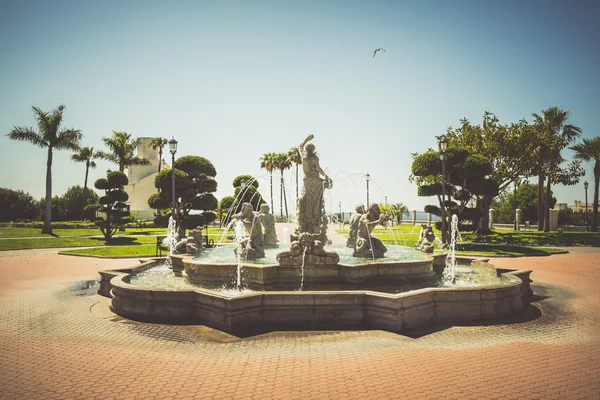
(58, 340)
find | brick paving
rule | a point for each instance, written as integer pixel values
(58, 340)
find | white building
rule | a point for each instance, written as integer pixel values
(141, 180)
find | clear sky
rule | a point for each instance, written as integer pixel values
(232, 80)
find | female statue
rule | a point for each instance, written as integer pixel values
(310, 203)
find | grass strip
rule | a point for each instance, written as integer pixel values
(116, 251)
(51, 242)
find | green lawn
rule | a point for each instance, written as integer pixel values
(535, 238)
(145, 250)
(36, 232)
(141, 242)
(52, 242)
(504, 250)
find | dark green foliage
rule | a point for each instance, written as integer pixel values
(204, 201)
(470, 214)
(466, 178)
(17, 205)
(102, 184)
(194, 185)
(427, 164)
(475, 166)
(161, 220)
(73, 199)
(111, 204)
(194, 166)
(164, 181)
(68, 206)
(430, 190)
(434, 210)
(117, 178)
(226, 202)
(237, 182)
(484, 187)
(527, 201)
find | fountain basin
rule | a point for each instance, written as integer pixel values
(256, 312)
(259, 276)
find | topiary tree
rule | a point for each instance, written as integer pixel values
(245, 191)
(466, 179)
(112, 204)
(194, 185)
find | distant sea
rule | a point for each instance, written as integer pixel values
(421, 216)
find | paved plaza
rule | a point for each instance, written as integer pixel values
(58, 340)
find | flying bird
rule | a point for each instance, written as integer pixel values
(376, 50)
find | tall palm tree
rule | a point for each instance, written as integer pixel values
(401, 210)
(282, 162)
(267, 161)
(557, 135)
(587, 151)
(50, 136)
(294, 156)
(159, 143)
(86, 155)
(122, 148)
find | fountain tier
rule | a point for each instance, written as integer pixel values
(244, 313)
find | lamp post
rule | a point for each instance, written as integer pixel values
(515, 206)
(585, 186)
(173, 150)
(443, 143)
(368, 178)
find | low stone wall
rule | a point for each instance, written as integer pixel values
(251, 313)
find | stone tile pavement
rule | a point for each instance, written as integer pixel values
(58, 340)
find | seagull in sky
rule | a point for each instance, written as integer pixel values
(376, 50)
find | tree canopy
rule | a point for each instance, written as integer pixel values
(466, 179)
(194, 185)
(122, 150)
(112, 204)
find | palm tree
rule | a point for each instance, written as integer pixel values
(282, 162)
(121, 152)
(50, 136)
(401, 210)
(294, 156)
(267, 162)
(86, 155)
(159, 143)
(587, 151)
(557, 135)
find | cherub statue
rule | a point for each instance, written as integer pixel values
(426, 239)
(268, 222)
(252, 244)
(193, 243)
(354, 220)
(367, 245)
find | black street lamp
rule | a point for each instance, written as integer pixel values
(585, 186)
(368, 178)
(173, 150)
(515, 206)
(443, 143)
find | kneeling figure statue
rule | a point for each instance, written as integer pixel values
(426, 239)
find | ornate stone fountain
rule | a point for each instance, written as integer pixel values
(341, 294)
